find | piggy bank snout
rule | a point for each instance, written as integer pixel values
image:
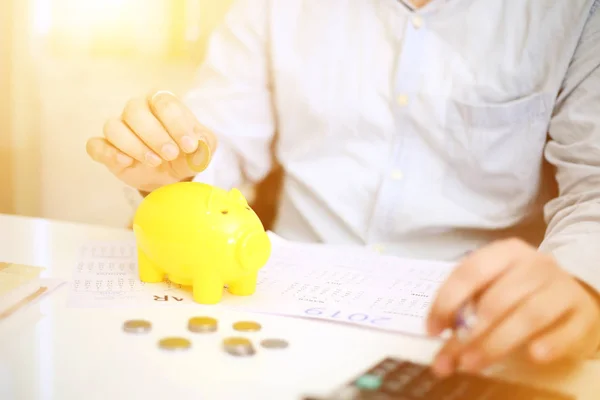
(254, 250)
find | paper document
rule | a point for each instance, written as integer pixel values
(336, 283)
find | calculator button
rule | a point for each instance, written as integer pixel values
(389, 365)
(459, 387)
(422, 386)
(369, 382)
(347, 393)
(395, 386)
(383, 367)
(379, 372)
(408, 370)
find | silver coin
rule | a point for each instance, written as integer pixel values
(137, 326)
(274, 344)
(202, 324)
(247, 326)
(238, 346)
(174, 344)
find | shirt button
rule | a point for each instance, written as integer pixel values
(379, 248)
(417, 22)
(402, 100)
(397, 175)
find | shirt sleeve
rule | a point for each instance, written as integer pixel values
(573, 218)
(232, 97)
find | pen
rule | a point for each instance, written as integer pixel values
(23, 302)
(465, 318)
(465, 321)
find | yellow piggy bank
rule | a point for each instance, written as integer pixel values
(201, 236)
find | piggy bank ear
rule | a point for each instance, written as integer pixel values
(236, 196)
(217, 201)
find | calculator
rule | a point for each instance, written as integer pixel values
(395, 379)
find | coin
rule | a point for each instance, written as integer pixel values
(247, 326)
(199, 160)
(174, 344)
(202, 324)
(137, 326)
(238, 346)
(274, 344)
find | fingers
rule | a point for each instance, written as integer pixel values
(140, 120)
(566, 340)
(533, 316)
(100, 150)
(171, 114)
(477, 271)
(522, 299)
(121, 137)
(445, 362)
(506, 294)
(160, 128)
(181, 124)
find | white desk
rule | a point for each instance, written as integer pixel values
(83, 353)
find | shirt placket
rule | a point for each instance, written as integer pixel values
(398, 177)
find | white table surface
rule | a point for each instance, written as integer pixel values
(49, 351)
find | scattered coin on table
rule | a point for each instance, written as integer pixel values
(274, 344)
(247, 326)
(174, 344)
(137, 326)
(238, 346)
(202, 324)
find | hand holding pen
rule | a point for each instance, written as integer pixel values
(506, 296)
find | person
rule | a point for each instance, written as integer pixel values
(422, 128)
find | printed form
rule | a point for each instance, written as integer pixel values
(337, 283)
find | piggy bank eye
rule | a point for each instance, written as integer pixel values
(224, 212)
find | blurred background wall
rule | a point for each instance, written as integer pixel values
(68, 65)
(6, 199)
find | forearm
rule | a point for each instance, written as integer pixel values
(573, 236)
(573, 218)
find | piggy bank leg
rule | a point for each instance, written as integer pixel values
(149, 272)
(208, 288)
(244, 286)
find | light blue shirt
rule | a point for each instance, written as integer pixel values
(420, 132)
